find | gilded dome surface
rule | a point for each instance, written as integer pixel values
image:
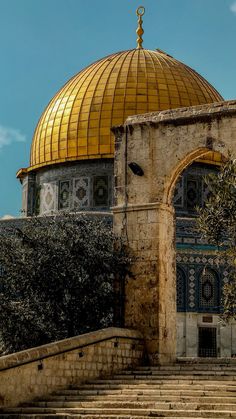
(76, 123)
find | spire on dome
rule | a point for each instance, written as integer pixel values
(140, 12)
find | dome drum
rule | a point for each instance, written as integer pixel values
(84, 186)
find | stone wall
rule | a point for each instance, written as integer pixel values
(187, 334)
(42, 370)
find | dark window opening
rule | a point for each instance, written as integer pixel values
(207, 342)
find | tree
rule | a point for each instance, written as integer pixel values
(57, 280)
(217, 224)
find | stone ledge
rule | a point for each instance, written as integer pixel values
(55, 348)
(143, 207)
(210, 361)
(181, 115)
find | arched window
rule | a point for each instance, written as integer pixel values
(180, 289)
(208, 290)
(191, 189)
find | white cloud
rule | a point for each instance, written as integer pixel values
(10, 135)
(233, 7)
(7, 217)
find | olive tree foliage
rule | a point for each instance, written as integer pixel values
(57, 279)
(217, 224)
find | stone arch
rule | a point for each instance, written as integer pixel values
(186, 161)
(163, 145)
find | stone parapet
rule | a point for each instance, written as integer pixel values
(200, 112)
(42, 370)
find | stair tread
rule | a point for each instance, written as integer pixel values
(132, 411)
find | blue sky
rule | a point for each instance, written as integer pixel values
(44, 42)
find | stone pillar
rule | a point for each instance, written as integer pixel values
(150, 290)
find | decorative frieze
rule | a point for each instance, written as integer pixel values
(80, 186)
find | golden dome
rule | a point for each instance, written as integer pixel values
(76, 123)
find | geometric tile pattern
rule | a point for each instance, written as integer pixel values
(181, 288)
(48, 198)
(64, 195)
(192, 288)
(100, 191)
(80, 194)
(205, 274)
(208, 289)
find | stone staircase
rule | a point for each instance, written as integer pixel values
(184, 390)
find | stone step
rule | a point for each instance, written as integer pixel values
(158, 384)
(148, 389)
(167, 379)
(100, 416)
(128, 404)
(187, 366)
(145, 392)
(202, 361)
(101, 412)
(195, 376)
(142, 398)
(184, 371)
(166, 373)
(157, 377)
